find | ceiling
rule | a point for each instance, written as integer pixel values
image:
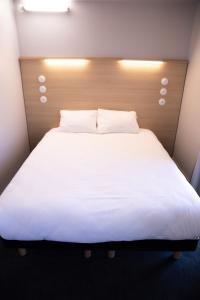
(143, 1)
(135, 1)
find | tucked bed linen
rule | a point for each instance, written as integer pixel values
(97, 188)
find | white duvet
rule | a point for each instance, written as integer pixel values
(98, 188)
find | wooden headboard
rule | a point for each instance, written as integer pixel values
(104, 83)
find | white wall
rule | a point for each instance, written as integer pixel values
(187, 144)
(13, 132)
(137, 29)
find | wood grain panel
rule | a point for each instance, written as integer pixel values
(104, 83)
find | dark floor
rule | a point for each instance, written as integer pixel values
(63, 274)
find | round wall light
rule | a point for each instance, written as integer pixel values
(163, 91)
(162, 102)
(164, 81)
(41, 78)
(43, 99)
(42, 89)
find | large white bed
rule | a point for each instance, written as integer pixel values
(90, 188)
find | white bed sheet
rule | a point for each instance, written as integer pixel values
(98, 188)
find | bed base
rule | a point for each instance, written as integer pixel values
(88, 253)
(110, 253)
(144, 245)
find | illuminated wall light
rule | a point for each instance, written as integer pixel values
(66, 62)
(49, 6)
(129, 63)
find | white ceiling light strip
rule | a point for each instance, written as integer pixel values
(48, 6)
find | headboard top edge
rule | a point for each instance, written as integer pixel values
(35, 58)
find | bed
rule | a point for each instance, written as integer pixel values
(97, 189)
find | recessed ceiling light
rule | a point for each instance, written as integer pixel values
(51, 6)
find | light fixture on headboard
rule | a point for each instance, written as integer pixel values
(66, 62)
(131, 63)
(49, 6)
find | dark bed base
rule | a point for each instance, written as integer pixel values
(143, 245)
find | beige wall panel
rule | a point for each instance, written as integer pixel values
(104, 83)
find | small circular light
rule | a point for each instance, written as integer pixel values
(163, 91)
(42, 89)
(43, 99)
(41, 78)
(162, 102)
(164, 81)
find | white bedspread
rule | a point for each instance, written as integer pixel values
(97, 188)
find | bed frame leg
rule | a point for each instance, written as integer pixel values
(111, 253)
(22, 251)
(87, 253)
(177, 255)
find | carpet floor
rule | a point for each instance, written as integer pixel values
(61, 274)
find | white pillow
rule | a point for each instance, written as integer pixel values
(78, 121)
(109, 121)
